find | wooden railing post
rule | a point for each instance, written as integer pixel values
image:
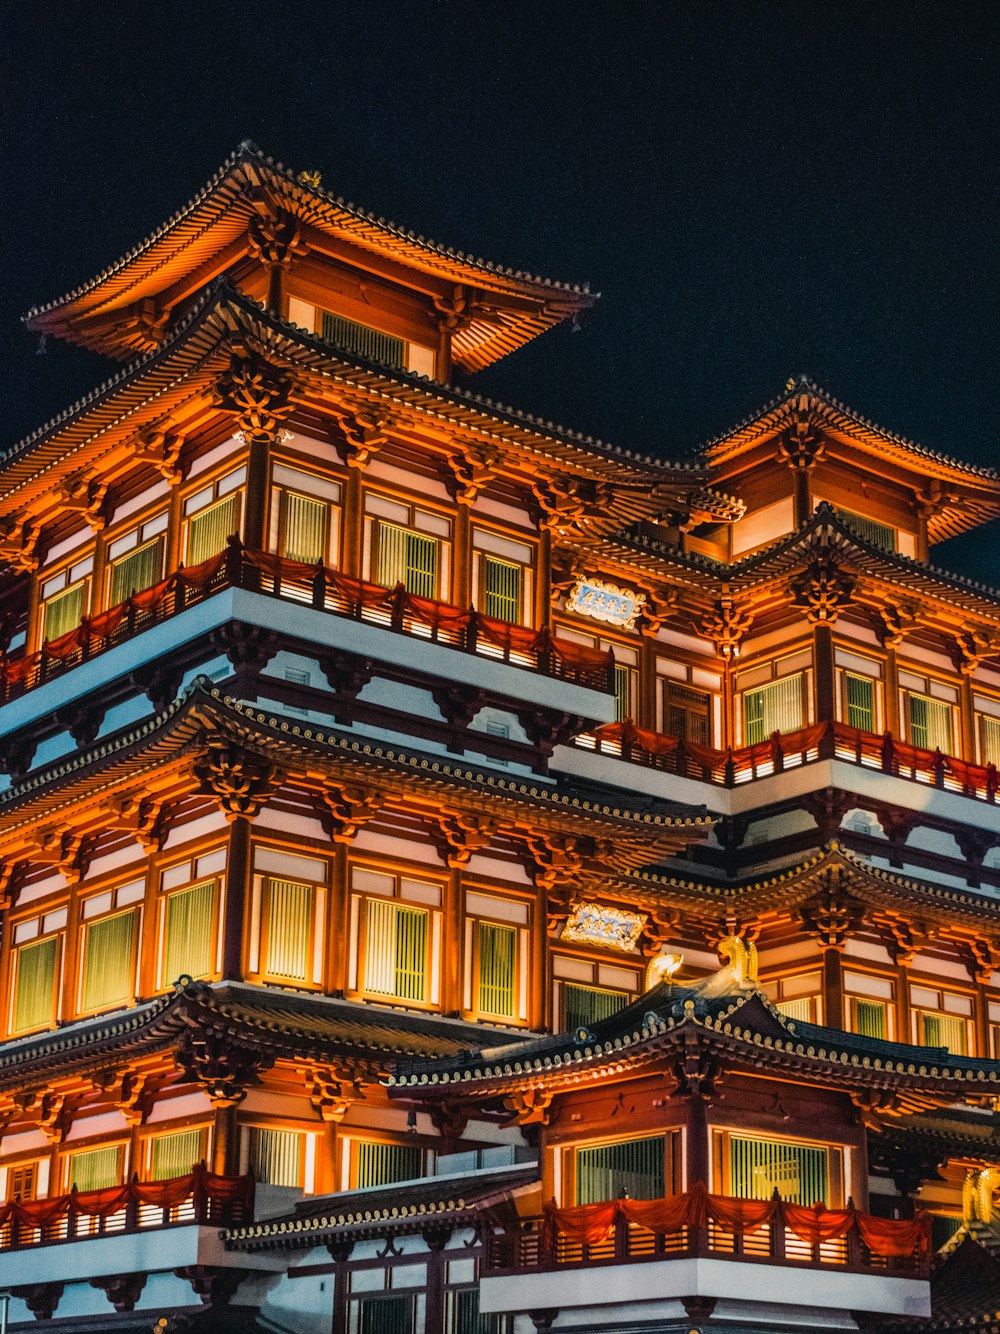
(777, 1226)
(319, 586)
(888, 753)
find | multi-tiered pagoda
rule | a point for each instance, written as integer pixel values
(462, 877)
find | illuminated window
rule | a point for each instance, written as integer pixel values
(305, 524)
(776, 707)
(65, 610)
(378, 1164)
(860, 691)
(754, 1167)
(502, 589)
(635, 1167)
(95, 1169)
(362, 341)
(798, 997)
(108, 974)
(288, 917)
(881, 535)
(175, 1155)
(396, 950)
(497, 958)
(686, 713)
(407, 558)
(623, 692)
(135, 559)
(276, 1156)
(189, 933)
(22, 1181)
(930, 723)
(583, 1006)
(211, 517)
(36, 978)
(943, 1030)
(868, 1018)
(466, 1317)
(989, 740)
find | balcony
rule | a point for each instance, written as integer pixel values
(629, 1253)
(316, 604)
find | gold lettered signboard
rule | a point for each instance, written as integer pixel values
(606, 602)
(597, 924)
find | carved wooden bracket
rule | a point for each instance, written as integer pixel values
(725, 626)
(245, 645)
(239, 781)
(904, 938)
(54, 1112)
(529, 1107)
(148, 322)
(822, 591)
(363, 432)
(973, 647)
(896, 621)
(875, 1104)
(159, 681)
(274, 238)
(162, 448)
(801, 446)
(458, 704)
(223, 1067)
(982, 958)
(121, 1290)
(457, 310)
(346, 673)
(696, 1070)
(348, 807)
(143, 817)
(567, 505)
(448, 1119)
(831, 916)
(19, 544)
(41, 1299)
(214, 1284)
(82, 719)
(12, 875)
(332, 1091)
(257, 394)
(82, 494)
(659, 605)
(461, 833)
(555, 858)
(547, 729)
(470, 470)
(828, 806)
(69, 851)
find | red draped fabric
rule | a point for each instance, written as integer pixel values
(108, 621)
(740, 1216)
(896, 1236)
(280, 567)
(20, 669)
(150, 598)
(629, 734)
(65, 644)
(589, 1223)
(817, 1224)
(199, 1186)
(437, 615)
(102, 1203)
(667, 1215)
(359, 591)
(511, 638)
(201, 575)
(579, 655)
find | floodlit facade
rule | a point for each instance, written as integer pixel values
(460, 876)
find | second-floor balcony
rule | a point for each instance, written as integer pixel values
(632, 1252)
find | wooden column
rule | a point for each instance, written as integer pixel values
(353, 523)
(826, 681)
(434, 1312)
(539, 999)
(543, 581)
(147, 937)
(337, 944)
(97, 575)
(444, 364)
(647, 684)
(238, 877)
(276, 289)
(698, 1157)
(904, 1028)
(729, 730)
(452, 1001)
(981, 1014)
(326, 1159)
(225, 1140)
(462, 592)
(922, 544)
(967, 718)
(33, 629)
(833, 989)
(67, 1006)
(802, 495)
(892, 720)
(258, 479)
(174, 518)
(340, 1251)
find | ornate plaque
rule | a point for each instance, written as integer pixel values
(596, 924)
(606, 602)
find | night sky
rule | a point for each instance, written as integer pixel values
(757, 188)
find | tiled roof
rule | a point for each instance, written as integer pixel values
(405, 1206)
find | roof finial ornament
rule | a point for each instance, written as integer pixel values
(310, 178)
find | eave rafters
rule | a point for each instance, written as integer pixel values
(163, 753)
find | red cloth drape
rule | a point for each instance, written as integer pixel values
(359, 591)
(102, 1203)
(589, 1223)
(64, 645)
(437, 615)
(199, 1185)
(817, 1224)
(896, 1236)
(667, 1215)
(280, 567)
(579, 655)
(201, 575)
(108, 621)
(740, 1216)
(150, 598)
(511, 638)
(629, 734)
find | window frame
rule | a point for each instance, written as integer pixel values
(673, 1166)
(42, 936)
(837, 1160)
(358, 919)
(165, 896)
(477, 914)
(215, 480)
(135, 908)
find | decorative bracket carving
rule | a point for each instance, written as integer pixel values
(897, 620)
(274, 237)
(215, 1285)
(346, 673)
(143, 817)
(363, 433)
(567, 505)
(458, 704)
(831, 916)
(332, 1092)
(461, 834)
(905, 938)
(69, 851)
(162, 448)
(82, 720)
(659, 604)
(19, 544)
(348, 807)
(121, 1290)
(725, 626)
(246, 646)
(239, 781)
(529, 1107)
(471, 469)
(555, 858)
(822, 591)
(41, 1299)
(449, 1120)
(223, 1067)
(257, 394)
(546, 729)
(80, 494)
(800, 446)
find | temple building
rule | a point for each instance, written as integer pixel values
(459, 876)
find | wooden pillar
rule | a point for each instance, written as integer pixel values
(326, 1159)
(647, 684)
(802, 495)
(33, 629)
(981, 1013)
(539, 998)
(967, 719)
(904, 1028)
(353, 524)
(444, 363)
(276, 289)
(148, 981)
(462, 592)
(452, 1002)
(70, 985)
(225, 1140)
(434, 1312)
(543, 581)
(729, 730)
(825, 672)
(833, 989)
(338, 946)
(892, 720)
(97, 575)
(340, 1250)
(922, 544)
(174, 517)
(238, 876)
(258, 479)
(698, 1158)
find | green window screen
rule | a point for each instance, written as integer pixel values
(583, 1006)
(801, 1008)
(96, 1169)
(868, 1017)
(364, 341)
(930, 723)
(502, 587)
(468, 1317)
(881, 535)
(209, 531)
(132, 573)
(305, 528)
(108, 962)
(773, 708)
(944, 1030)
(64, 612)
(498, 969)
(635, 1167)
(174, 1155)
(757, 1167)
(623, 693)
(289, 908)
(276, 1156)
(187, 947)
(35, 984)
(990, 733)
(407, 558)
(382, 1164)
(396, 950)
(860, 702)
(385, 1315)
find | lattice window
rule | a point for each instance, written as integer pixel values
(869, 1018)
(881, 535)
(466, 1316)
(776, 707)
(209, 530)
(608, 1171)
(189, 933)
(943, 1030)
(378, 1164)
(802, 1008)
(497, 951)
(385, 1315)
(396, 950)
(64, 612)
(989, 734)
(174, 1155)
(276, 1156)
(305, 528)
(757, 1167)
(35, 977)
(95, 1169)
(686, 713)
(363, 341)
(138, 570)
(583, 1006)
(860, 702)
(930, 723)
(288, 929)
(623, 692)
(502, 589)
(22, 1182)
(407, 558)
(109, 961)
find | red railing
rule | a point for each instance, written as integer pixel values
(200, 1197)
(326, 590)
(696, 1223)
(781, 751)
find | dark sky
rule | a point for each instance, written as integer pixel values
(757, 187)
